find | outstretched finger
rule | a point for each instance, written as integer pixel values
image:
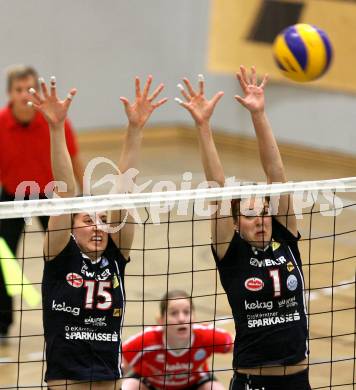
(186, 105)
(242, 82)
(137, 87)
(69, 98)
(43, 87)
(125, 102)
(156, 92)
(244, 75)
(216, 98)
(264, 81)
(183, 92)
(201, 84)
(159, 103)
(253, 75)
(37, 107)
(36, 96)
(53, 83)
(180, 102)
(147, 86)
(189, 86)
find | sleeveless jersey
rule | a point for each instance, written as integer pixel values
(265, 289)
(149, 356)
(83, 312)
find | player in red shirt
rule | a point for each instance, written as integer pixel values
(24, 157)
(174, 355)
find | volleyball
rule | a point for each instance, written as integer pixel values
(303, 52)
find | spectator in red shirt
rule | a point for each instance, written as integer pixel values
(24, 157)
(174, 355)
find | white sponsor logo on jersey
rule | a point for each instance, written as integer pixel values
(63, 307)
(292, 282)
(96, 321)
(92, 336)
(160, 358)
(255, 262)
(258, 305)
(104, 275)
(94, 275)
(267, 262)
(253, 388)
(179, 366)
(290, 302)
(256, 323)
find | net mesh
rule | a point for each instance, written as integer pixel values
(171, 250)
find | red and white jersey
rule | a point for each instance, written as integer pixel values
(148, 355)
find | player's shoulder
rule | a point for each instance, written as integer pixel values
(201, 330)
(205, 330)
(202, 326)
(70, 255)
(150, 335)
(153, 331)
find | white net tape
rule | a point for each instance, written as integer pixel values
(56, 206)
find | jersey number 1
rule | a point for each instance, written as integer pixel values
(106, 297)
(274, 274)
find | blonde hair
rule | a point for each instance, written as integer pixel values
(19, 72)
(171, 296)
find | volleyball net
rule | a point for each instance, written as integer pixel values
(171, 250)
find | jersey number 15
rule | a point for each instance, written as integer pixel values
(104, 297)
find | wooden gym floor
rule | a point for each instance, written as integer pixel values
(166, 155)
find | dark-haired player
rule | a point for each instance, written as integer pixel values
(83, 280)
(174, 354)
(257, 257)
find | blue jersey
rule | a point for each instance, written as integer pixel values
(265, 289)
(83, 312)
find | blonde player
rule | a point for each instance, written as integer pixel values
(173, 355)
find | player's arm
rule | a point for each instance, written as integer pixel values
(269, 153)
(132, 351)
(78, 170)
(137, 113)
(55, 111)
(223, 341)
(201, 109)
(75, 156)
(216, 339)
(125, 366)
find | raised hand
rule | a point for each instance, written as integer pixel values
(200, 108)
(253, 99)
(141, 109)
(54, 110)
